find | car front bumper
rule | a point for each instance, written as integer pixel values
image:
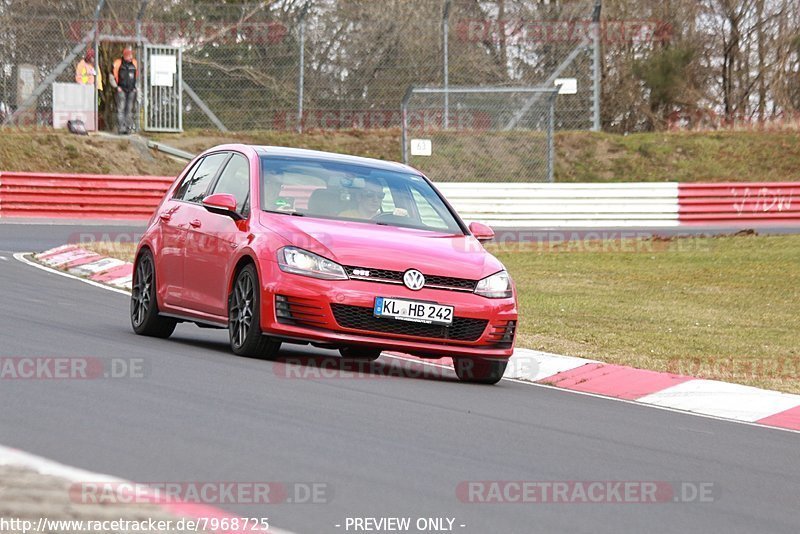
(339, 313)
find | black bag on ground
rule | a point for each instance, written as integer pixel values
(77, 127)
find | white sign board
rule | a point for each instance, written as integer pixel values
(566, 86)
(73, 101)
(26, 82)
(421, 147)
(162, 70)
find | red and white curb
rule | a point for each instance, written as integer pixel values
(73, 259)
(44, 466)
(710, 398)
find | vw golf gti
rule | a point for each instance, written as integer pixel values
(282, 245)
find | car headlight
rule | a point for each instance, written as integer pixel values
(299, 261)
(496, 286)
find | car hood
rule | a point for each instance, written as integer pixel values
(386, 247)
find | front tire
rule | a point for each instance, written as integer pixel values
(362, 354)
(479, 371)
(244, 318)
(145, 319)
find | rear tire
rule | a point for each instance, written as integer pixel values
(244, 318)
(479, 371)
(362, 354)
(145, 319)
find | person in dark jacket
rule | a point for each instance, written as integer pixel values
(124, 77)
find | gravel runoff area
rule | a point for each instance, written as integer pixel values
(26, 495)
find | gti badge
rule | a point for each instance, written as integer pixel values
(413, 279)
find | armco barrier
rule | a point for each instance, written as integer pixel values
(497, 204)
(739, 202)
(566, 205)
(80, 196)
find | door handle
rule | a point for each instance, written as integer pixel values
(196, 223)
(165, 217)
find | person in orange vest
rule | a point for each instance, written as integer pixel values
(125, 75)
(85, 71)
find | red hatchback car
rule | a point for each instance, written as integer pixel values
(298, 246)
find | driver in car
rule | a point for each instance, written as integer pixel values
(368, 202)
(272, 199)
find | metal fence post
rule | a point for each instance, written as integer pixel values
(596, 66)
(301, 75)
(445, 31)
(99, 74)
(404, 118)
(550, 138)
(300, 78)
(179, 81)
(140, 79)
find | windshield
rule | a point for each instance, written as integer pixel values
(343, 191)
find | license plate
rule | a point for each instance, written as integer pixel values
(413, 311)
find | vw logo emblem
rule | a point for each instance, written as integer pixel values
(413, 279)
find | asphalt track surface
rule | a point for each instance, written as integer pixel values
(384, 446)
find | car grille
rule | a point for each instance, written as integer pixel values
(396, 277)
(361, 318)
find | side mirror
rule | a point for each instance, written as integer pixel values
(481, 231)
(222, 204)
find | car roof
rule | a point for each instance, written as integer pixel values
(281, 151)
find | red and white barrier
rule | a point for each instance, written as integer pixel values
(80, 196)
(739, 202)
(625, 204)
(533, 205)
(509, 205)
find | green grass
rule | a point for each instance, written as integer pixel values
(725, 308)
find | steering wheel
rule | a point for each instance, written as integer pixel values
(388, 217)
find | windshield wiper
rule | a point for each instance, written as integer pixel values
(295, 213)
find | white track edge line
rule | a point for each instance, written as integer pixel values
(20, 256)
